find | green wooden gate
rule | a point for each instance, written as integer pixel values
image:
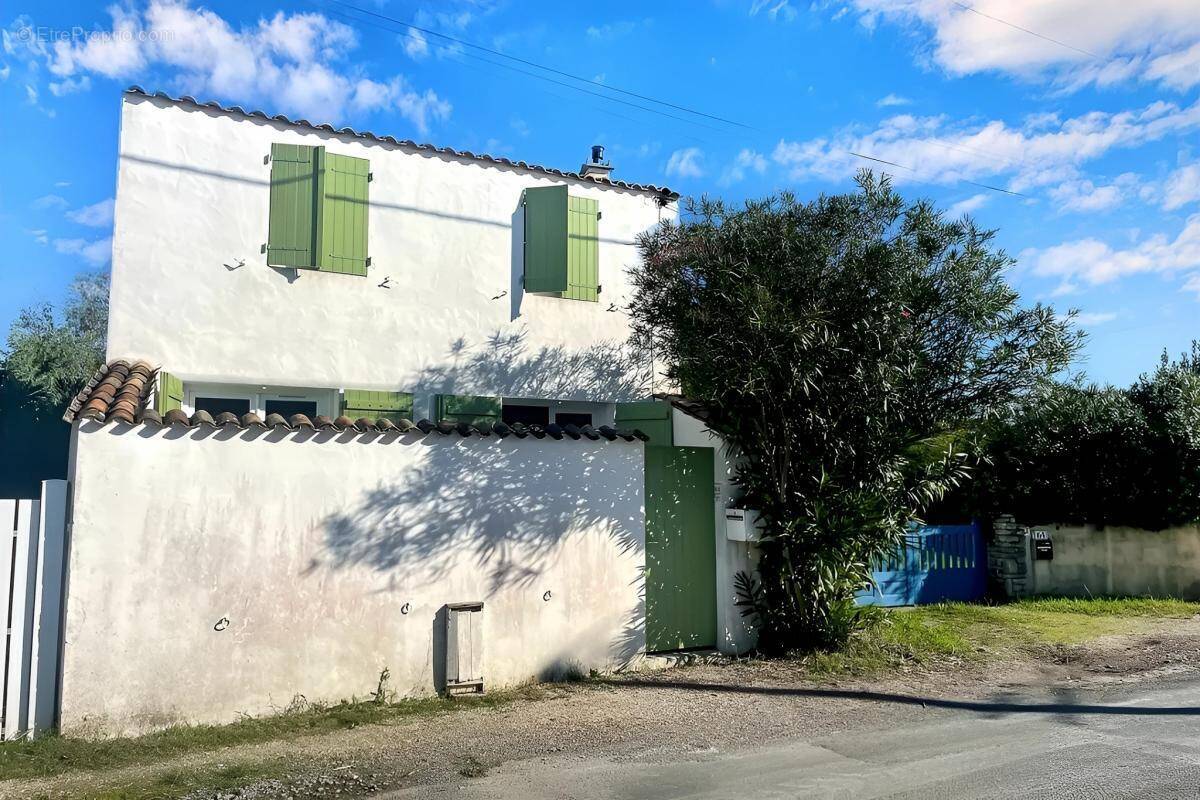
(681, 591)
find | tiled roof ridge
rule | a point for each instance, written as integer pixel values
(662, 191)
(118, 392)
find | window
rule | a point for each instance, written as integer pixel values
(318, 214)
(260, 400)
(469, 408)
(572, 418)
(286, 408)
(218, 405)
(561, 244)
(359, 403)
(526, 415)
(651, 417)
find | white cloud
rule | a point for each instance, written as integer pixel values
(614, 30)
(686, 163)
(5, 71)
(415, 44)
(39, 235)
(1100, 42)
(1085, 196)
(48, 201)
(970, 205)
(1091, 318)
(290, 62)
(1192, 284)
(1182, 187)
(746, 160)
(1038, 152)
(96, 252)
(776, 9)
(892, 100)
(70, 86)
(97, 215)
(61, 184)
(1095, 262)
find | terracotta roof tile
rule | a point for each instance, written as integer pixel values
(662, 191)
(120, 391)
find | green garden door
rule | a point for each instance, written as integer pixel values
(681, 591)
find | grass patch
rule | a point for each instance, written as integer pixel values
(53, 755)
(961, 631)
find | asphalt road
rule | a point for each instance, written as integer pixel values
(1138, 742)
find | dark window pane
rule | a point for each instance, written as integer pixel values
(215, 405)
(568, 418)
(526, 415)
(286, 408)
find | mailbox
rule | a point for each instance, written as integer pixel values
(1043, 546)
(741, 525)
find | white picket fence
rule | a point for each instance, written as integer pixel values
(33, 586)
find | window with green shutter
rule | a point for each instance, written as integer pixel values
(469, 408)
(358, 403)
(651, 417)
(318, 215)
(170, 393)
(562, 253)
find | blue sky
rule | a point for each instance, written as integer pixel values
(1090, 115)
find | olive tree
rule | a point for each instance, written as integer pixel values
(846, 348)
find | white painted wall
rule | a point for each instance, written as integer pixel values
(193, 197)
(312, 544)
(734, 633)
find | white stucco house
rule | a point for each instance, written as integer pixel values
(370, 405)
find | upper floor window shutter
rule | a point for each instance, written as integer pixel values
(291, 237)
(342, 238)
(583, 249)
(358, 403)
(651, 417)
(469, 408)
(546, 239)
(170, 393)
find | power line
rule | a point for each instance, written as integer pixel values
(543, 67)
(966, 7)
(917, 173)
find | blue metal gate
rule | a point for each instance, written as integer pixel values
(934, 564)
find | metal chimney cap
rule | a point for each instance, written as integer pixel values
(597, 167)
(597, 154)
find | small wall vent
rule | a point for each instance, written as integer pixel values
(464, 648)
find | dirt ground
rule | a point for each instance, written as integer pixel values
(649, 716)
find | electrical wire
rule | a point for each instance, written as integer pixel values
(966, 7)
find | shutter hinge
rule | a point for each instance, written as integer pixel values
(370, 177)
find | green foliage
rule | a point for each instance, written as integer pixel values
(52, 356)
(847, 348)
(1106, 456)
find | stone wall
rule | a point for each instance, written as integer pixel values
(1009, 566)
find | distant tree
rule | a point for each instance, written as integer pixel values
(54, 355)
(847, 348)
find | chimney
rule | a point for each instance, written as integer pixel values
(597, 167)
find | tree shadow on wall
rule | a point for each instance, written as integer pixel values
(504, 365)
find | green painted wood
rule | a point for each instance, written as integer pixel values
(651, 417)
(583, 249)
(373, 404)
(681, 561)
(546, 239)
(343, 215)
(292, 222)
(170, 393)
(469, 408)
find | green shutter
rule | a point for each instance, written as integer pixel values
(651, 417)
(294, 208)
(395, 406)
(343, 227)
(546, 239)
(583, 249)
(170, 393)
(467, 408)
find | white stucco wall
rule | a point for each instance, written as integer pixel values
(193, 199)
(1116, 561)
(734, 632)
(311, 545)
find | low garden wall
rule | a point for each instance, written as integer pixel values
(1092, 561)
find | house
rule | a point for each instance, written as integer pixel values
(256, 519)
